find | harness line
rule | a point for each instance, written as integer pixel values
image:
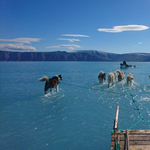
(123, 94)
(92, 89)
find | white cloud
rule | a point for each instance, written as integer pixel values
(21, 40)
(71, 47)
(140, 42)
(19, 45)
(117, 29)
(16, 47)
(70, 40)
(75, 35)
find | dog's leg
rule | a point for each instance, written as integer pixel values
(112, 82)
(127, 81)
(131, 82)
(46, 87)
(57, 88)
(109, 81)
(100, 80)
(50, 89)
(118, 79)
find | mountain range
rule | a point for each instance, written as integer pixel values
(81, 55)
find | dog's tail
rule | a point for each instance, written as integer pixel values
(118, 71)
(45, 78)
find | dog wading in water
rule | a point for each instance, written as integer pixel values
(130, 78)
(102, 77)
(121, 75)
(111, 78)
(51, 82)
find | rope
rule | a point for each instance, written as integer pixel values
(135, 124)
(142, 118)
(76, 85)
(123, 94)
(83, 87)
(137, 108)
(117, 146)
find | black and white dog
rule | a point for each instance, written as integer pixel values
(51, 82)
(102, 77)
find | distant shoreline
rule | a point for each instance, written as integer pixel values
(86, 55)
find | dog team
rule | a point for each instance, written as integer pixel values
(112, 77)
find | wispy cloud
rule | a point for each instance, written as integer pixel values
(117, 29)
(16, 47)
(70, 47)
(70, 40)
(75, 35)
(140, 42)
(18, 44)
(21, 40)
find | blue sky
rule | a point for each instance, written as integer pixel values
(115, 26)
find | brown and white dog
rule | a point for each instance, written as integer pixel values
(130, 78)
(115, 74)
(102, 77)
(121, 75)
(111, 78)
(51, 82)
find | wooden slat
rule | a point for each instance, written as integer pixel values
(139, 131)
(127, 141)
(140, 138)
(139, 142)
(128, 148)
(140, 147)
(118, 139)
(136, 138)
(135, 131)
